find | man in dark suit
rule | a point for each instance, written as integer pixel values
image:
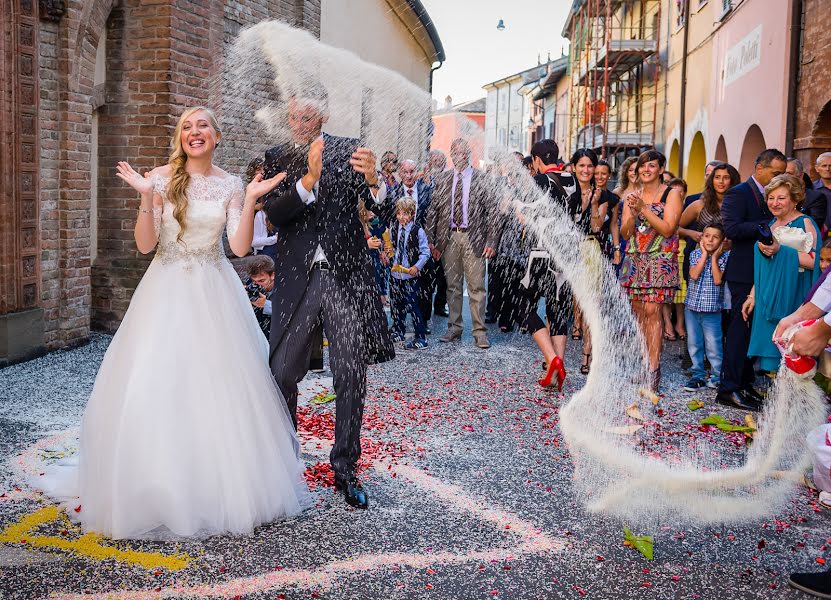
(743, 210)
(324, 274)
(462, 228)
(815, 204)
(823, 184)
(436, 164)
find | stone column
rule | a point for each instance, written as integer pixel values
(21, 318)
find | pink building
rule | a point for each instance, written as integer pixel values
(465, 120)
(738, 80)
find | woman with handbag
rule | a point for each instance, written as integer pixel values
(784, 270)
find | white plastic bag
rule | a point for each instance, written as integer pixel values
(819, 442)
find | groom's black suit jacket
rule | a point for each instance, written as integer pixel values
(331, 222)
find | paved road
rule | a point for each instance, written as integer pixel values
(471, 497)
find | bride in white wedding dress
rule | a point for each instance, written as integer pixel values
(185, 433)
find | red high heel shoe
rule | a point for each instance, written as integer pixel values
(554, 365)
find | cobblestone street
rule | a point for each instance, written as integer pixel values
(470, 491)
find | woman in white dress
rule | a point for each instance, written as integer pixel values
(185, 433)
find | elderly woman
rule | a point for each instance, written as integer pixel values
(784, 270)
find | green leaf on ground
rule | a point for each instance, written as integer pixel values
(641, 543)
(725, 425)
(715, 420)
(695, 404)
(322, 398)
(731, 427)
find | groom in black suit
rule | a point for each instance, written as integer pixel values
(323, 273)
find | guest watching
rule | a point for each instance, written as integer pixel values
(587, 207)
(650, 269)
(461, 229)
(784, 270)
(743, 210)
(815, 204)
(411, 254)
(704, 303)
(265, 237)
(823, 184)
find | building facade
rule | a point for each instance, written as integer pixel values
(508, 111)
(729, 73)
(812, 127)
(615, 95)
(87, 83)
(465, 120)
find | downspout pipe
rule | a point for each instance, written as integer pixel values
(430, 80)
(793, 74)
(683, 106)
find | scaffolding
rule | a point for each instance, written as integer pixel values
(614, 69)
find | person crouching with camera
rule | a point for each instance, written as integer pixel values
(260, 288)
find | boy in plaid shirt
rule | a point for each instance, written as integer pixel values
(705, 299)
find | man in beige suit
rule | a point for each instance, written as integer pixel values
(461, 230)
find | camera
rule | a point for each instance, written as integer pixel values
(764, 235)
(252, 289)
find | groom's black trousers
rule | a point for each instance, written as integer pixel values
(326, 303)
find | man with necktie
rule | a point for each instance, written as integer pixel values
(462, 232)
(324, 274)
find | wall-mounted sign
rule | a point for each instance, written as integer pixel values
(743, 57)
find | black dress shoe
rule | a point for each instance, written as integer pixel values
(815, 584)
(736, 400)
(440, 311)
(752, 395)
(353, 491)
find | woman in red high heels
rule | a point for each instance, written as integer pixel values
(540, 279)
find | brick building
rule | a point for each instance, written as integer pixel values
(87, 83)
(812, 131)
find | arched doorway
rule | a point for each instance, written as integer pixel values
(754, 143)
(721, 149)
(694, 174)
(672, 164)
(820, 140)
(107, 147)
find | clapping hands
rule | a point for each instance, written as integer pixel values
(142, 184)
(260, 187)
(635, 202)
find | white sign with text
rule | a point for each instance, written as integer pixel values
(743, 57)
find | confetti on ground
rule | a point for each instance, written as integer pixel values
(470, 490)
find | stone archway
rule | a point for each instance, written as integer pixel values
(672, 162)
(754, 143)
(694, 173)
(721, 149)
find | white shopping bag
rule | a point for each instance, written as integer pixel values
(819, 441)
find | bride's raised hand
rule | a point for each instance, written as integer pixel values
(142, 184)
(260, 187)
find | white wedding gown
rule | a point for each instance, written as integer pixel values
(185, 433)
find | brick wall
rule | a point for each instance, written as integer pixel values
(161, 57)
(813, 109)
(49, 183)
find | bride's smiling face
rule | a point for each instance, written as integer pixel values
(199, 138)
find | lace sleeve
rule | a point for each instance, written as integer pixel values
(234, 210)
(158, 188)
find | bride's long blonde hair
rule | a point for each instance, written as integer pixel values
(180, 178)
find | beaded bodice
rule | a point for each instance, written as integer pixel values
(214, 203)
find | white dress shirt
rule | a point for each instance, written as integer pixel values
(308, 197)
(822, 299)
(261, 238)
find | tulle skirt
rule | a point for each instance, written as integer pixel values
(185, 433)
